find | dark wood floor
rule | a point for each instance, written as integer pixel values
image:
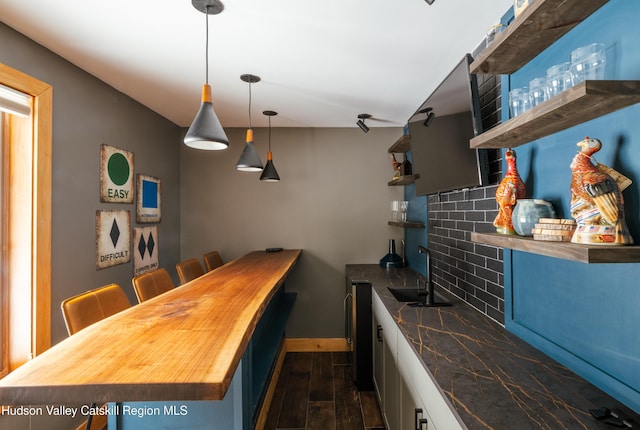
(315, 391)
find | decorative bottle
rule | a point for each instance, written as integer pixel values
(510, 189)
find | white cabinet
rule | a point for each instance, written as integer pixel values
(412, 410)
(385, 355)
(403, 384)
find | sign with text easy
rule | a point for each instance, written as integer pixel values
(116, 175)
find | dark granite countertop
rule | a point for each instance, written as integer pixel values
(492, 378)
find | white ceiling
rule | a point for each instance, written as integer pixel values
(321, 62)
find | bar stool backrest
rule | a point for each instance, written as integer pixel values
(84, 309)
(188, 270)
(152, 284)
(212, 260)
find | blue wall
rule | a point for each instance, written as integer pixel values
(585, 316)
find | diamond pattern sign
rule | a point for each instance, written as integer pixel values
(113, 238)
(145, 253)
(116, 175)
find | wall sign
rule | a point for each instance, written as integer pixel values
(113, 238)
(145, 249)
(148, 201)
(116, 175)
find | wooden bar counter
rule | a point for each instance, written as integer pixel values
(183, 345)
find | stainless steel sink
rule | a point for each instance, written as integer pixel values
(409, 294)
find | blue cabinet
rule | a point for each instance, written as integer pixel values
(241, 405)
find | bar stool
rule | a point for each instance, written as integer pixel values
(84, 309)
(152, 284)
(212, 260)
(188, 270)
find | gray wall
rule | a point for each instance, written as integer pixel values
(332, 201)
(86, 113)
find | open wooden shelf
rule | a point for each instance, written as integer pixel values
(585, 101)
(564, 250)
(403, 145)
(406, 224)
(404, 180)
(536, 28)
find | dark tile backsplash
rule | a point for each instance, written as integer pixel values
(471, 271)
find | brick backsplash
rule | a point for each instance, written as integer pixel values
(471, 271)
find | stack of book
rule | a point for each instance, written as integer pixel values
(554, 229)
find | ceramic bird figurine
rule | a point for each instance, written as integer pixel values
(396, 166)
(596, 200)
(510, 189)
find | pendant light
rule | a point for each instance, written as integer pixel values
(249, 160)
(205, 131)
(270, 174)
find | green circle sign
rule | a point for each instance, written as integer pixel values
(118, 168)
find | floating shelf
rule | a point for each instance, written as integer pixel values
(403, 145)
(406, 224)
(564, 250)
(404, 180)
(536, 28)
(585, 101)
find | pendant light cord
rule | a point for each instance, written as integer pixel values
(250, 79)
(206, 54)
(269, 133)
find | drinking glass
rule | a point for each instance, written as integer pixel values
(588, 62)
(395, 210)
(558, 78)
(518, 101)
(538, 91)
(404, 207)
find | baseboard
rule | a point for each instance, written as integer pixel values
(316, 345)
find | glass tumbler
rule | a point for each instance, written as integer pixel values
(558, 78)
(518, 101)
(588, 62)
(538, 91)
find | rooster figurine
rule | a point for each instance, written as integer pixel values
(511, 189)
(596, 200)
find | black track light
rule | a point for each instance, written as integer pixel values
(361, 123)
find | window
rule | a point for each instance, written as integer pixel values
(25, 212)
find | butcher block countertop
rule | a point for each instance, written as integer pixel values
(491, 378)
(183, 345)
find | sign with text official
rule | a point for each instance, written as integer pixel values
(145, 249)
(113, 238)
(116, 175)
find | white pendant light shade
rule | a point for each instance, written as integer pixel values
(249, 160)
(206, 132)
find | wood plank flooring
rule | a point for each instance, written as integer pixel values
(315, 392)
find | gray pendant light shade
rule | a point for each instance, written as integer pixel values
(206, 132)
(270, 174)
(249, 160)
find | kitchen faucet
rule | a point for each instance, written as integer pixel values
(430, 300)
